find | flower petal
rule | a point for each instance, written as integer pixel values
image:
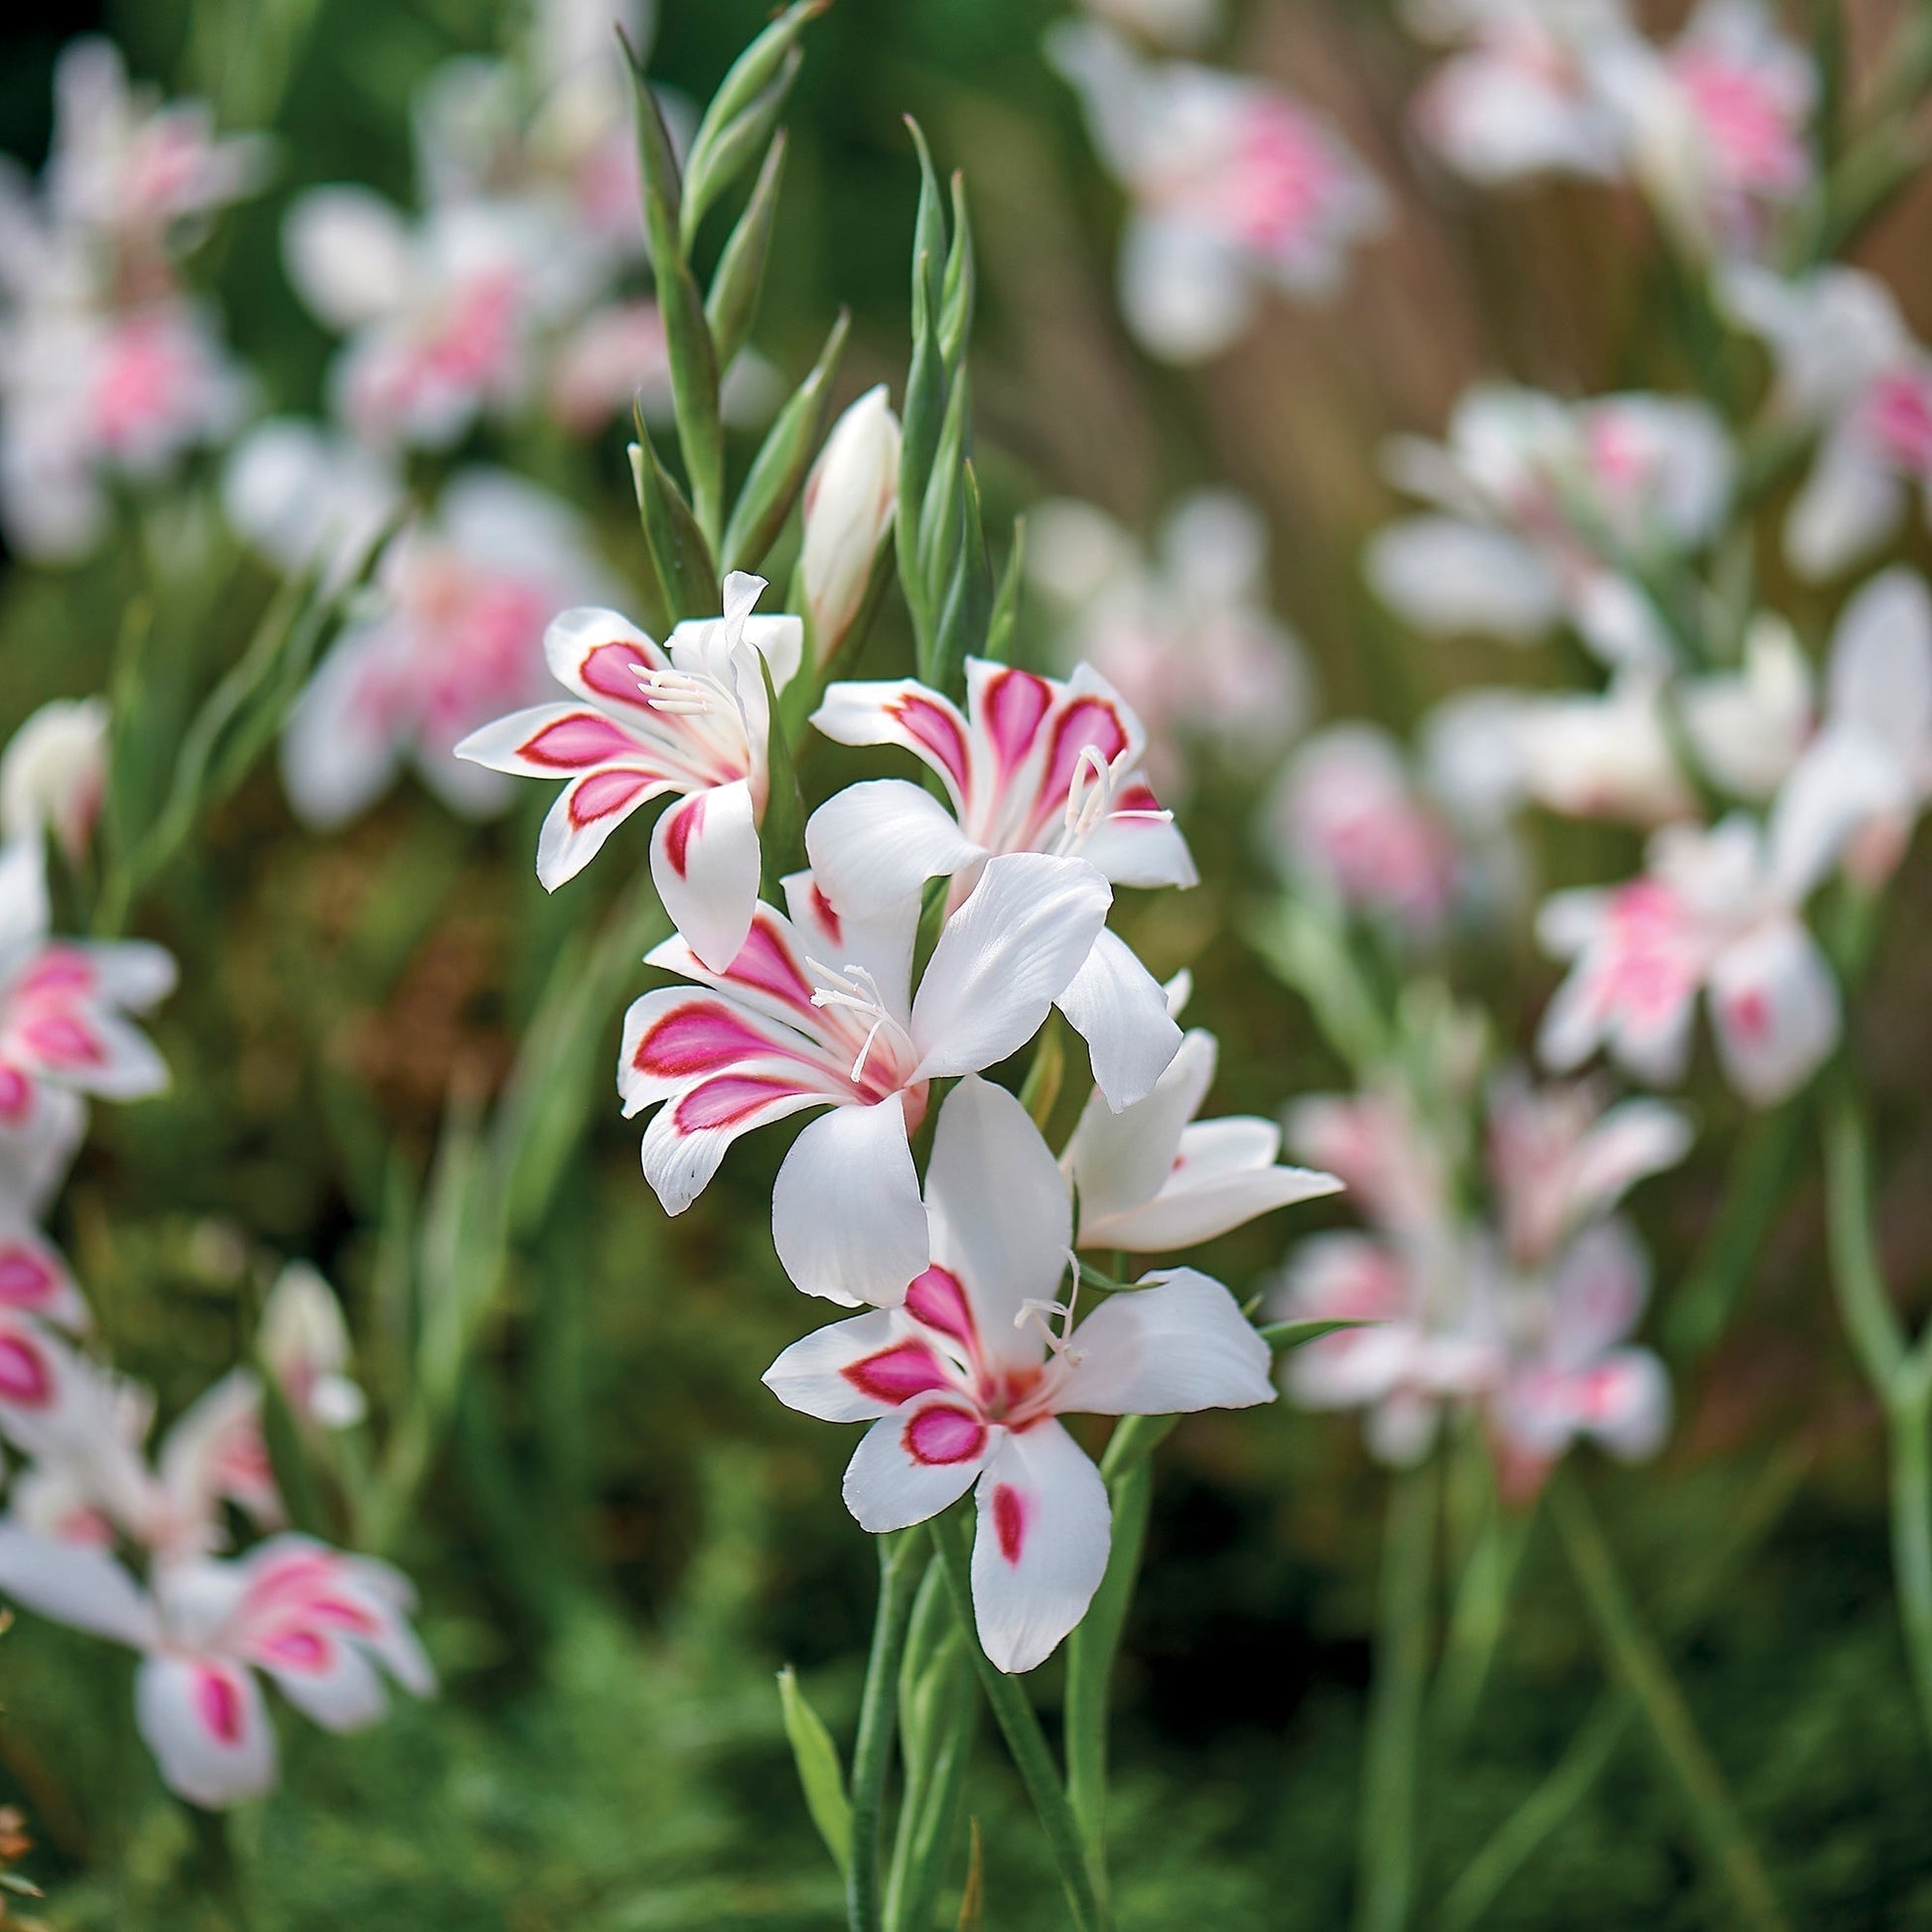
(846, 1214)
(999, 1212)
(1040, 1550)
(1168, 1347)
(206, 1722)
(914, 1463)
(73, 1584)
(904, 713)
(1225, 1175)
(857, 1370)
(1120, 1010)
(1774, 1006)
(604, 659)
(1003, 959)
(704, 862)
(1120, 1159)
(688, 1135)
(875, 842)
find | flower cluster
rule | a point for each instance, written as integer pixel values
(109, 368)
(930, 938)
(101, 1534)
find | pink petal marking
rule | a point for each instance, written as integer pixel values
(603, 794)
(218, 1702)
(581, 739)
(685, 824)
(826, 915)
(612, 670)
(26, 1380)
(941, 1434)
(938, 1300)
(699, 1038)
(1646, 967)
(15, 1094)
(897, 1374)
(59, 969)
(1012, 705)
(1750, 1012)
(299, 1650)
(1009, 1520)
(26, 1279)
(1898, 410)
(766, 963)
(730, 1100)
(1088, 722)
(60, 1039)
(936, 727)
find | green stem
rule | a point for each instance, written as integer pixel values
(1032, 1757)
(1090, 1653)
(873, 1755)
(1387, 1877)
(1902, 1375)
(1758, 1187)
(1466, 1905)
(1637, 1661)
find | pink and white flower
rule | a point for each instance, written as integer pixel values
(689, 720)
(1560, 1158)
(322, 1626)
(462, 598)
(441, 319)
(1718, 912)
(850, 500)
(1033, 766)
(1848, 368)
(64, 1002)
(1377, 1145)
(1181, 631)
(1715, 124)
(304, 1344)
(132, 168)
(1427, 1344)
(1234, 185)
(964, 1382)
(818, 1011)
(1520, 96)
(1541, 506)
(1153, 1180)
(1572, 1374)
(1348, 820)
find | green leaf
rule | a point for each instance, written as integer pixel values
(1042, 1087)
(780, 468)
(735, 288)
(819, 1772)
(958, 285)
(747, 78)
(694, 369)
(961, 632)
(678, 550)
(713, 168)
(657, 158)
(288, 1457)
(1006, 601)
(972, 1903)
(928, 234)
(939, 532)
(1280, 1336)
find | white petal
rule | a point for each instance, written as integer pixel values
(1185, 291)
(1040, 1550)
(348, 253)
(206, 1722)
(1445, 576)
(1168, 1348)
(999, 1212)
(334, 1684)
(1003, 959)
(1775, 1008)
(1597, 1293)
(1850, 504)
(846, 1214)
(688, 1135)
(76, 1584)
(1225, 1177)
(1120, 1161)
(704, 862)
(874, 843)
(825, 1374)
(1846, 779)
(337, 757)
(1121, 1011)
(1881, 662)
(912, 1463)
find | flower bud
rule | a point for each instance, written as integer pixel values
(850, 500)
(54, 774)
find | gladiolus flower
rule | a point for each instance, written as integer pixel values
(965, 1382)
(54, 774)
(850, 499)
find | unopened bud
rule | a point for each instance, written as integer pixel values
(54, 774)
(850, 500)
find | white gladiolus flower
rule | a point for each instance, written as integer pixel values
(54, 774)
(849, 502)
